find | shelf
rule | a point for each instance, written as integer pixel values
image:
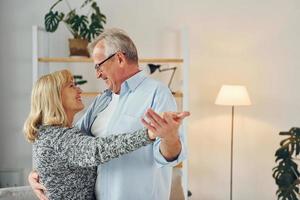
(65, 59)
(93, 94)
(89, 60)
(86, 59)
(89, 94)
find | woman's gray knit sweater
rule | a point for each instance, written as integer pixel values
(66, 159)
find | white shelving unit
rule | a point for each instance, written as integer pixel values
(181, 96)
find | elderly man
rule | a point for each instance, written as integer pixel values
(145, 174)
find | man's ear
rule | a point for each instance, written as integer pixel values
(121, 59)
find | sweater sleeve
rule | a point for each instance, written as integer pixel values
(86, 151)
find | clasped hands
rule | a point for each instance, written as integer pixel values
(164, 126)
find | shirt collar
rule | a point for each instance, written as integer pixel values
(133, 82)
(107, 92)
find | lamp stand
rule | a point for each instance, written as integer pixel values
(231, 151)
(233, 95)
(167, 69)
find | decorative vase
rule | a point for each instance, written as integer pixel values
(78, 47)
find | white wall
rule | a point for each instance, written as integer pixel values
(15, 76)
(249, 42)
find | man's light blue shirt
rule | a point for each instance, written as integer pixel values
(143, 174)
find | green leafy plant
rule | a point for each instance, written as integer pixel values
(81, 26)
(286, 173)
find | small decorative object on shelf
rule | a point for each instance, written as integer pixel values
(84, 28)
(286, 173)
(78, 80)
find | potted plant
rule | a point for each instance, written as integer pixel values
(84, 28)
(286, 173)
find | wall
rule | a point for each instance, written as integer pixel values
(235, 42)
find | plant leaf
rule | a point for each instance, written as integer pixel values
(85, 3)
(77, 24)
(286, 173)
(52, 20)
(97, 23)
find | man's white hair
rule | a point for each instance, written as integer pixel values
(115, 40)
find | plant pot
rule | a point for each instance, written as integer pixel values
(78, 47)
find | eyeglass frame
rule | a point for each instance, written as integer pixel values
(98, 66)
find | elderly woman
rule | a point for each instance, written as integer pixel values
(65, 158)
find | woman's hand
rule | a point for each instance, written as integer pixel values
(165, 126)
(38, 189)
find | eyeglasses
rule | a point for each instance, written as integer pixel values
(98, 66)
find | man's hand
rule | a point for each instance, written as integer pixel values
(38, 189)
(166, 127)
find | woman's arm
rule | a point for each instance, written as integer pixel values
(85, 151)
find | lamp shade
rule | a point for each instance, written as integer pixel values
(233, 95)
(153, 67)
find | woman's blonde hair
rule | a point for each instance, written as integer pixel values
(46, 103)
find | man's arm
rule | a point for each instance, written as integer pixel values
(167, 151)
(98, 105)
(170, 148)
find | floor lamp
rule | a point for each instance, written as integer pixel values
(232, 95)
